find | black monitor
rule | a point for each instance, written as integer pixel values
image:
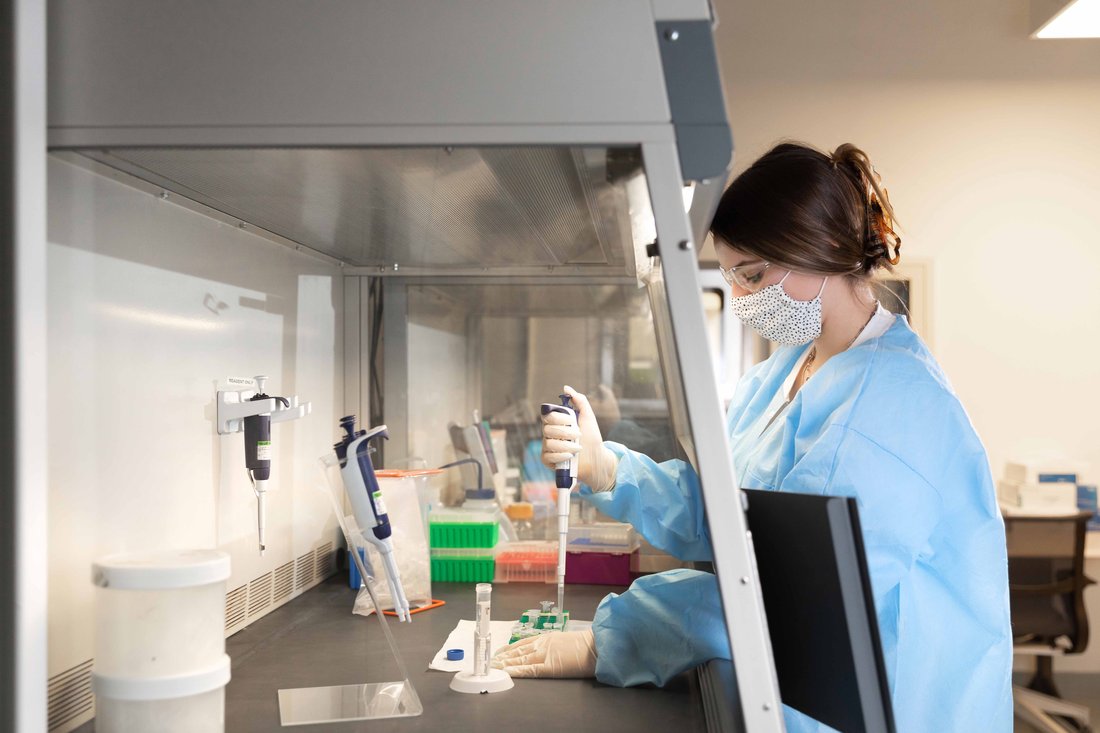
(820, 609)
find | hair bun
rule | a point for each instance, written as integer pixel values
(879, 233)
(880, 237)
(876, 255)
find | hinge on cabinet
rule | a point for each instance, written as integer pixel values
(653, 249)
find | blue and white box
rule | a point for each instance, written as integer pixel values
(1057, 478)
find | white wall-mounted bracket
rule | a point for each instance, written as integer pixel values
(234, 406)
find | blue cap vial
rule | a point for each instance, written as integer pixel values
(454, 655)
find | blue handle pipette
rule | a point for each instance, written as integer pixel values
(565, 478)
(367, 504)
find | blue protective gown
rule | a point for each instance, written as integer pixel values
(878, 422)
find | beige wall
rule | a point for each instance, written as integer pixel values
(990, 145)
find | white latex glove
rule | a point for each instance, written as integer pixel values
(562, 654)
(561, 441)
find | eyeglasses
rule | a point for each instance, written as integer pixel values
(746, 277)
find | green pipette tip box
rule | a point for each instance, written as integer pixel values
(447, 569)
(463, 534)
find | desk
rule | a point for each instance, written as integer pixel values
(315, 640)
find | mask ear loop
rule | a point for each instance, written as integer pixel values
(824, 282)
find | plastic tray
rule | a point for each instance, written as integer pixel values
(598, 568)
(608, 537)
(527, 562)
(463, 565)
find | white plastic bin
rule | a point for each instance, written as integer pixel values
(194, 702)
(160, 661)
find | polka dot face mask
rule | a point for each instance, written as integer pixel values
(778, 317)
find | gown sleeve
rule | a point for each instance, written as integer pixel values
(661, 500)
(663, 625)
(670, 622)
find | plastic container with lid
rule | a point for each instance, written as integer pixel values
(609, 537)
(201, 712)
(160, 661)
(522, 514)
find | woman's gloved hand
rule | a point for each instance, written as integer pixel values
(561, 654)
(561, 441)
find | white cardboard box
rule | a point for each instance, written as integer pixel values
(1048, 498)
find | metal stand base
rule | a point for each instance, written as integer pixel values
(1039, 710)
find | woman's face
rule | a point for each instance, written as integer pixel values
(751, 271)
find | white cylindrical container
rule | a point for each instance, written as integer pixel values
(160, 661)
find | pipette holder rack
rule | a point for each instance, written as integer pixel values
(234, 406)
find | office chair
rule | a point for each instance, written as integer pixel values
(1046, 577)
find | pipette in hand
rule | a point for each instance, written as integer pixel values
(565, 478)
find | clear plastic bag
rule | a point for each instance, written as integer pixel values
(410, 547)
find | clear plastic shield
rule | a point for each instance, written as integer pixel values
(366, 701)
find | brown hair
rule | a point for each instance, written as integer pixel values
(803, 209)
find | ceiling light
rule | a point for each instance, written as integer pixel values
(1075, 19)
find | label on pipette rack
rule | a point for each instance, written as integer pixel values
(379, 505)
(263, 450)
(239, 382)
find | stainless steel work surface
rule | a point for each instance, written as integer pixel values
(315, 640)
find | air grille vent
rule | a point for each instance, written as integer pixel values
(259, 594)
(326, 560)
(284, 582)
(236, 603)
(304, 569)
(70, 694)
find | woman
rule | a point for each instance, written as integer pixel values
(852, 404)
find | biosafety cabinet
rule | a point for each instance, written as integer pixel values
(405, 210)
